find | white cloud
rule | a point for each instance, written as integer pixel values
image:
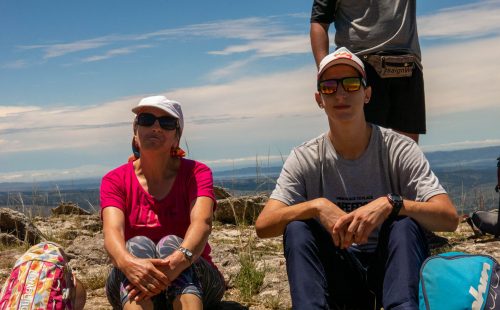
(461, 145)
(223, 111)
(271, 46)
(231, 69)
(13, 110)
(462, 77)
(85, 171)
(465, 21)
(61, 49)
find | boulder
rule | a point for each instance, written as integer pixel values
(87, 251)
(221, 193)
(69, 208)
(8, 239)
(18, 225)
(237, 210)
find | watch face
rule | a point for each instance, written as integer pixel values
(186, 252)
(395, 199)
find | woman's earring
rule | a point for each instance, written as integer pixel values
(176, 151)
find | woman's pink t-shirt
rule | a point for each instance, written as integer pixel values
(155, 219)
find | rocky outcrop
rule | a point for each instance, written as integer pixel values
(69, 208)
(236, 210)
(221, 193)
(18, 226)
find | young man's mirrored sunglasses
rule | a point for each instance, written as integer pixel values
(350, 84)
(166, 122)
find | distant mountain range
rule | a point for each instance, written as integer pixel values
(451, 163)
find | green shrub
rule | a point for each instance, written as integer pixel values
(249, 279)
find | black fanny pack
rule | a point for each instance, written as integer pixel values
(392, 66)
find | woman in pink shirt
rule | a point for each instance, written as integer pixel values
(157, 215)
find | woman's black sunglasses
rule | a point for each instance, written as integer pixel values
(166, 122)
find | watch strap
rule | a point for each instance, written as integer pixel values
(397, 203)
(187, 253)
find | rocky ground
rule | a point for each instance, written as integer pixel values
(82, 238)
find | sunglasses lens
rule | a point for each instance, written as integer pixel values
(351, 84)
(168, 123)
(328, 87)
(146, 119)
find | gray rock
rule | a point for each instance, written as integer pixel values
(69, 208)
(88, 251)
(239, 210)
(17, 224)
(8, 239)
(221, 193)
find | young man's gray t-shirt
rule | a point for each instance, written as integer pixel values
(392, 163)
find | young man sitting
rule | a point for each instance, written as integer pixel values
(352, 203)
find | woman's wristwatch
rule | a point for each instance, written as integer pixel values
(187, 254)
(397, 203)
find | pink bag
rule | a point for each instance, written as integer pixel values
(40, 279)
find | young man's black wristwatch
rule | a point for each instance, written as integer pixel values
(188, 254)
(397, 203)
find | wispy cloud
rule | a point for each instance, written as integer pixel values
(37, 130)
(244, 29)
(116, 52)
(270, 46)
(13, 110)
(61, 49)
(272, 36)
(471, 20)
(18, 64)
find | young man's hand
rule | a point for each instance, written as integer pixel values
(329, 214)
(356, 227)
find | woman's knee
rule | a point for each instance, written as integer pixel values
(168, 244)
(141, 247)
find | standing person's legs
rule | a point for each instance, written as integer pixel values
(202, 280)
(407, 114)
(397, 103)
(404, 251)
(320, 275)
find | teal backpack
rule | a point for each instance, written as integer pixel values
(456, 280)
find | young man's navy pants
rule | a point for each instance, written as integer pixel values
(321, 276)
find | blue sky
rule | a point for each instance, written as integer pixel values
(71, 71)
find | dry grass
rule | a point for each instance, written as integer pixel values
(96, 279)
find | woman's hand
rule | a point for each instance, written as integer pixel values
(145, 277)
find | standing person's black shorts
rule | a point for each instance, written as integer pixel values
(397, 103)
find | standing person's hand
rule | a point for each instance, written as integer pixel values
(356, 227)
(146, 279)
